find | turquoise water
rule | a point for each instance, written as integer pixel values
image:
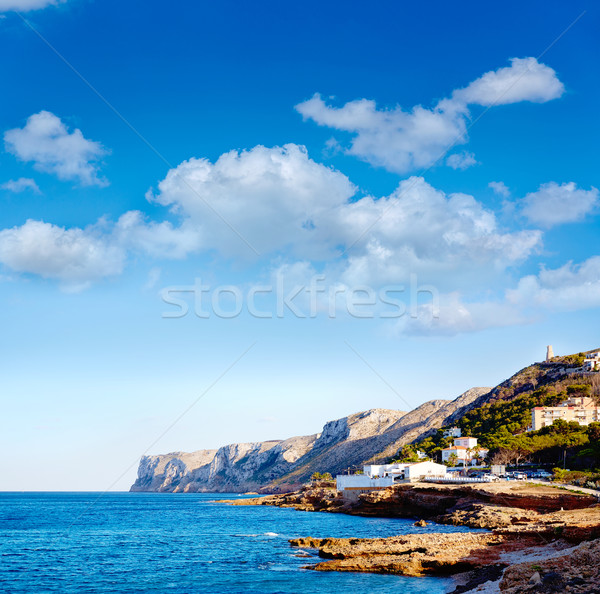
(154, 542)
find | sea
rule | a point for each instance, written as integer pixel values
(170, 542)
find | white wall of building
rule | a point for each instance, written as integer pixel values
(452, 432)
(361, 481)
(382, 470)
(466, 442)
(394, 472)
(421, 469)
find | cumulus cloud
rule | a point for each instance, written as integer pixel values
(398, 140)
(403, 140)
(452, 315)
(524, 80)
(26, 5)
(568, 288)
(275, 198)
(290, 209)
(500, 188)
(284, 203)
(76, 257)
(79, 257)
(47, 142)
(441, 237)
(20, 185)
(554, 204)
(160, 240)
(461, 161)
(572, 287)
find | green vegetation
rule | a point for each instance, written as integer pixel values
(501, 424)
(590, 480)
(407, 454)
(573, 360)
(494, 421)
(321, 477)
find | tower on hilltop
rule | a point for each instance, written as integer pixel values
(549, 352)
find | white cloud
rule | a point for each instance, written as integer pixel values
(568, 288)
(20, 185)
(443, 238)
(454, 316)
(46, 141)
(524, 80)
(398, 140)
(276, 198)
(76, 257)
(500, 188)
(290, 208)
(160, 240)
(26, 5)
(554, 204)
(402, 141)
(284, 203)
(461, 161)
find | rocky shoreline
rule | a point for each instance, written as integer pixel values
(538, 539)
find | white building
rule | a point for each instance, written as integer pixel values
(592, 362)
(465, 442)
(380, 476)
(465, 449)
(361, 482)
(452, 432)
(420, 470)
(383, 470)
(581, 409)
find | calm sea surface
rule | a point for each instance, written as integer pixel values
(153, 542)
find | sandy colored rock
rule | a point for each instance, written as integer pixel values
(414, 554)
(532, 525)
(578, 571)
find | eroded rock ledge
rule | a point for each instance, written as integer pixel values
(412, 554)
(535, 529)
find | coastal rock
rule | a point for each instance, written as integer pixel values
(412, 554)
(575, 517)
(576, 570)
(534, 528)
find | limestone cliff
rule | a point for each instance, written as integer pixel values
(278, 465)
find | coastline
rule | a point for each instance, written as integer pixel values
(533, 538)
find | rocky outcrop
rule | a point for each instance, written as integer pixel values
(352, 441)
(530, 549)
(504, 507)
(411, 554)
(576, 570)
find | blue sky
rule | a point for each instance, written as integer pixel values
(447, 148)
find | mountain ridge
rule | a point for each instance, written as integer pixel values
(278, 465)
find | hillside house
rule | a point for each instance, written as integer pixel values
(452, 432)
(465, 449)
(592, 362)
(580, 409)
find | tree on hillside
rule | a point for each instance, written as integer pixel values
(593, 433)
(408, 454)
(579, 390)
